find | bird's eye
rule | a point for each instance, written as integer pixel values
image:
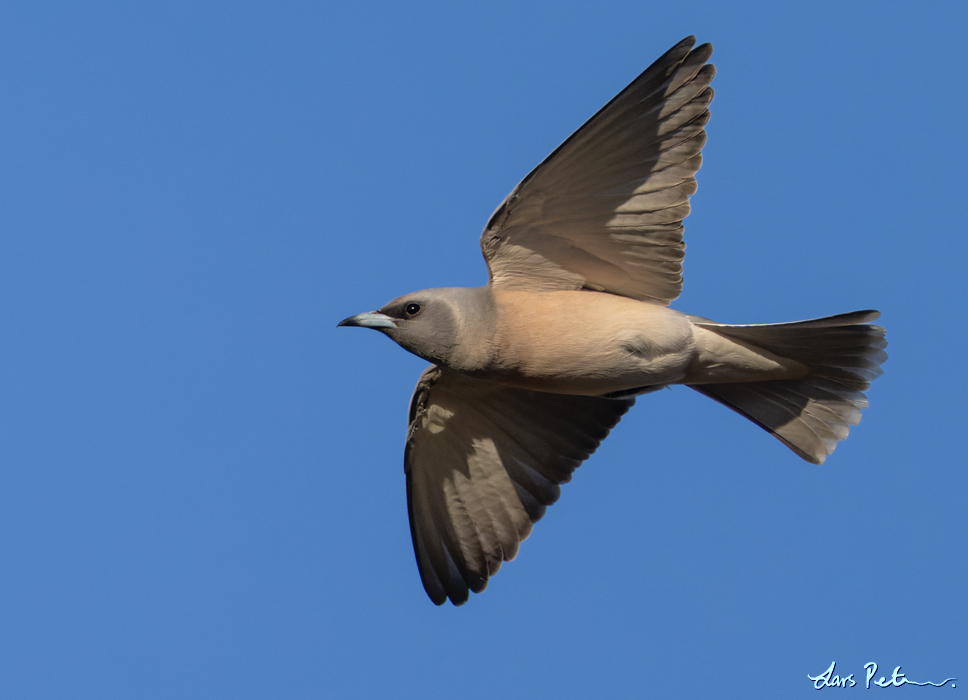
(412, 309)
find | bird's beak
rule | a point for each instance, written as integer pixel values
(371, 319)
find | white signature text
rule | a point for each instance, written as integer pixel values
(830, 679)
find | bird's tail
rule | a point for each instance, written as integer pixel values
(808, 415)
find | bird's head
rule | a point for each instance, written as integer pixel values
(443, 326)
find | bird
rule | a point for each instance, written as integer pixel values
(530, 372)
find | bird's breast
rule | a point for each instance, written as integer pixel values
(584, 342)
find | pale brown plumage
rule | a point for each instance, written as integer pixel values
(532, 371)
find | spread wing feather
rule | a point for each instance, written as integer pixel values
(483, 461)
(604, 211)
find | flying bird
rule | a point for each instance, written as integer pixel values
(531, 371)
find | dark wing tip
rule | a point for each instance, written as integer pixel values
(703, 51)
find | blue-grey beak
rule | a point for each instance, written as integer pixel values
(371, 319)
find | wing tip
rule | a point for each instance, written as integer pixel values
(704, 50)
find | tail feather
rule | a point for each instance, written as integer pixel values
(808, 415)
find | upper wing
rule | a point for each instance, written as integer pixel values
(604, 211)
(483, 461)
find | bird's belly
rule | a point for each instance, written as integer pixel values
(588, 343)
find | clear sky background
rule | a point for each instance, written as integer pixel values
(201, 482)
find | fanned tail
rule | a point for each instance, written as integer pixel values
(812, 414)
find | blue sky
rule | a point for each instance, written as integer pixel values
(201, 483)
